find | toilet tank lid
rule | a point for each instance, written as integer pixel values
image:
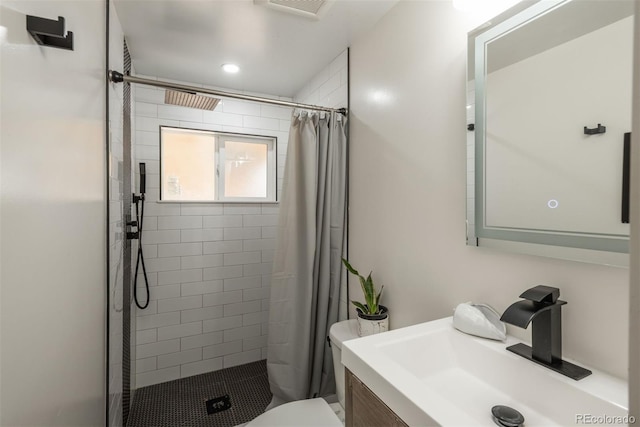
(343, 331)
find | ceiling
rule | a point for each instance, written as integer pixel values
(278, 52)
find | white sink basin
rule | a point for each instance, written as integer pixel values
(433, 374)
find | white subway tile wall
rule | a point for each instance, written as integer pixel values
(208, 265)
(329, 87)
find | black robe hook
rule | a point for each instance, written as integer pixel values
(594, 131)
(48, 32)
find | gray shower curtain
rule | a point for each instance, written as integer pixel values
(306, 281)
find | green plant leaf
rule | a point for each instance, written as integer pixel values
(369, 293)
(379, 294)
(350, 268)
(368, 290)
(361, 307)
(378, 299)
(363, 286)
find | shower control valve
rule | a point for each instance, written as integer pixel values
(132, 223)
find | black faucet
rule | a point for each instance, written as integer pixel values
(542, 307)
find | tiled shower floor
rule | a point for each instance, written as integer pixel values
(182, 402)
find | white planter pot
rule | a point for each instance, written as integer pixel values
(373, 324)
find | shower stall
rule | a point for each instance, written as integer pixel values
(190, 280)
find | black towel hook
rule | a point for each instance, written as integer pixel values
(49, 32)
(594, 131)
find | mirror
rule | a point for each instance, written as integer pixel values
(549, 111)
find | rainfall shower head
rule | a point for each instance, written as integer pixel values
(190, 99)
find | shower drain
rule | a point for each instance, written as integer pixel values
(218, 404)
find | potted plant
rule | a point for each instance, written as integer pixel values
(373, 318)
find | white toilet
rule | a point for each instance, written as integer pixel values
(315, 412)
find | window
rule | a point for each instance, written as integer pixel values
(206, 166)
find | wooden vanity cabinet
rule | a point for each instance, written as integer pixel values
(364, 408)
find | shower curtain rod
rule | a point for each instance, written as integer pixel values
(117, 77)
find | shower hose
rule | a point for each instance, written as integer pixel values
(139, 201)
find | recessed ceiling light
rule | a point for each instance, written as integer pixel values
(230, 68)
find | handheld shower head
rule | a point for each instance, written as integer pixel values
(143, 178)
(139, 202)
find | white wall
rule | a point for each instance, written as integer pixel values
(53, 205)
(408, 185)
(209, 265)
